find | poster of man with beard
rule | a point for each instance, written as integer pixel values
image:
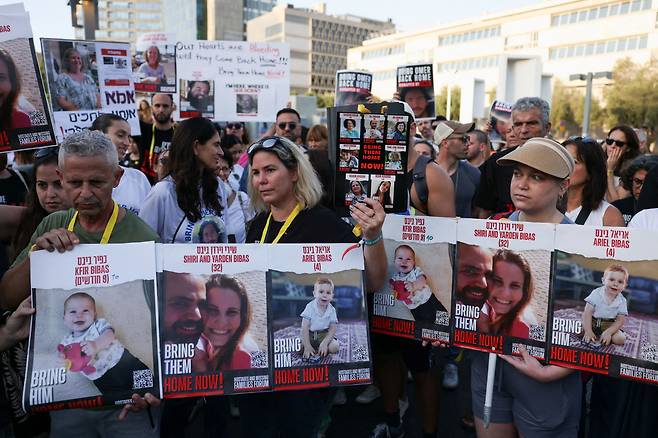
(197, 98)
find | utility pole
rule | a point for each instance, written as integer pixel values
(589, 78)
(89, 9)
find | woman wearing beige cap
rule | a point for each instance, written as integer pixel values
(529, 398)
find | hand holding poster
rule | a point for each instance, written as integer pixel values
(24, 118)
(415, 85)
(604, 314)
(154, 64)
(352, 87)
(94, 336)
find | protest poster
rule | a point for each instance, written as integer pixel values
(87, 79)
(154, 63)
(352, 87)
(318, 324)
(232, 80)
(415, 301)
(502, 286)
(500, 114)
(25, 122)
(369, 151)
(415, 85)
(94, 336)
(214, 331)
(605, 302)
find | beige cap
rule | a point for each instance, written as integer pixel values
(543, 154)
(447, 127)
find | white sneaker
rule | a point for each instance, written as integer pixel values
(340, 398)
(383, 430)
(403, 405)
(450, 376)
(370, 394)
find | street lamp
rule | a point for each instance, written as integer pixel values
(588, 78)
(89, 9)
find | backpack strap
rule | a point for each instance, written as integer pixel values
(418, 178)
(583, 215)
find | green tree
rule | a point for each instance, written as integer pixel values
(567, 110)
(324, 100)
(441, 101)
(633, 97)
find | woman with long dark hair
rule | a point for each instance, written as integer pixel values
(621, 147)
(191, 192)
(10, 89)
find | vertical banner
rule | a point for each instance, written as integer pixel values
(232, 80)
(502, 286)
(86, 79)
(415, 85)
(605, 302)
(154, 63)
(25, 122)
(94, 336)
(318, 325)
(415, 301)
(214, 319)
(352, 87)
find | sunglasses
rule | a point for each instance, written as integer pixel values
(618, 143)
(274, 143)
(585, 140)
(46, 152)
(291, 125)
(234, 125)
(463, 138)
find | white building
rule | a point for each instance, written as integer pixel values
(565, 36)
(318, 41)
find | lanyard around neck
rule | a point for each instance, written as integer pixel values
(108, 228)
(291, 217)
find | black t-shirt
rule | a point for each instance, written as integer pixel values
(493, 193)
(161, 143)
(627, 206)
(314, 225)
(13, 189)
(649, 193)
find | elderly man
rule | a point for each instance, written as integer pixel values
(530, 118)
(89, 171)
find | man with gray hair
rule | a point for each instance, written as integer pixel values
(88, 170)
(530, 118)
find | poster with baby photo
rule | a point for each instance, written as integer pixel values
(94, 336)
(502, 286)
(318, 323)
(605, 302)
(415, 300)
(25, 121)
(214, 331)
(154, 63)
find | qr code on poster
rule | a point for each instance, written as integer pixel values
(649, 352)
(37, 118)
(360, 353)
(258, 359)
(537, 332)
(142, 379)
(442, 318)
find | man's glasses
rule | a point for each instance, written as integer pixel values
(46, 152)
(618, 143)
(291, 125)
(234, 125)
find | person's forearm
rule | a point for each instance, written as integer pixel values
(6, 340)
(15, 285)
(105, 340)
(376, 266)
(618, 324)
(611, 189)
(10, 219)
(587, 320)
(553, 373)
(306, 339)
(331, 332)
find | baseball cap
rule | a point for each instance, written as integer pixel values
(543, 154)
(447, 127)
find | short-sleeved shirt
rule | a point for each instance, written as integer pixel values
(319, 321)
(160, 144)
(628, 207)
(466, 179)
(603, 309)
(81, 94)
(493, 192)
(132, 190)
(104, 359)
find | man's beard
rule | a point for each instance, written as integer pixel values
(465, 297)
(173, 334)
(162, 117)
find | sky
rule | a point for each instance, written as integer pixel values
(51, 18)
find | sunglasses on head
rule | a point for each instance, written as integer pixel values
(585, 139)
(234, 125)
(618, 143)
(269, 143)
(46, 152)
(291, 125)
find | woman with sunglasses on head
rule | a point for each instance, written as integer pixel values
(621, 146)
(191, 192)
(286, 191)
(585, 203)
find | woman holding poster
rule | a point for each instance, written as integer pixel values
(75, 89)
(287, 193)
(532, 399)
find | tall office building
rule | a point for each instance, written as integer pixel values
(318, 41)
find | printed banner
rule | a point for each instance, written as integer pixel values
(502, 286)
(25, 122)
(415, 85)
(415, 302)
(232, 80)
(94, 336)
(352, 87)
(604, 306)
(500, 111)
(154, 63)
(86, 79)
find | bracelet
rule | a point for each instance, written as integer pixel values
(372, 242)
(611, 173)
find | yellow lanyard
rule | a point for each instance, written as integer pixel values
(108, 228)
(152, 148)
(291, 217)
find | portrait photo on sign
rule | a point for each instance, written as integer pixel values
(224, 316)
(154, 67)
(322, 316)
(72, 71)
(348, 156)
(382, 188)
(102, 338)
(607, 306)
(210, 229)
(374, 127)
(246, 104)
(507, 290)
(397, 128)
(197, 98)
(350, 126)
(356, 188)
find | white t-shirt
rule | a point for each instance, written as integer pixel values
(161, 212)
(234, 177)
(319, 321)
(104, 359)
(595, 217)
(237, 215)
(603, 309)
(132, 190)
(646, 219)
